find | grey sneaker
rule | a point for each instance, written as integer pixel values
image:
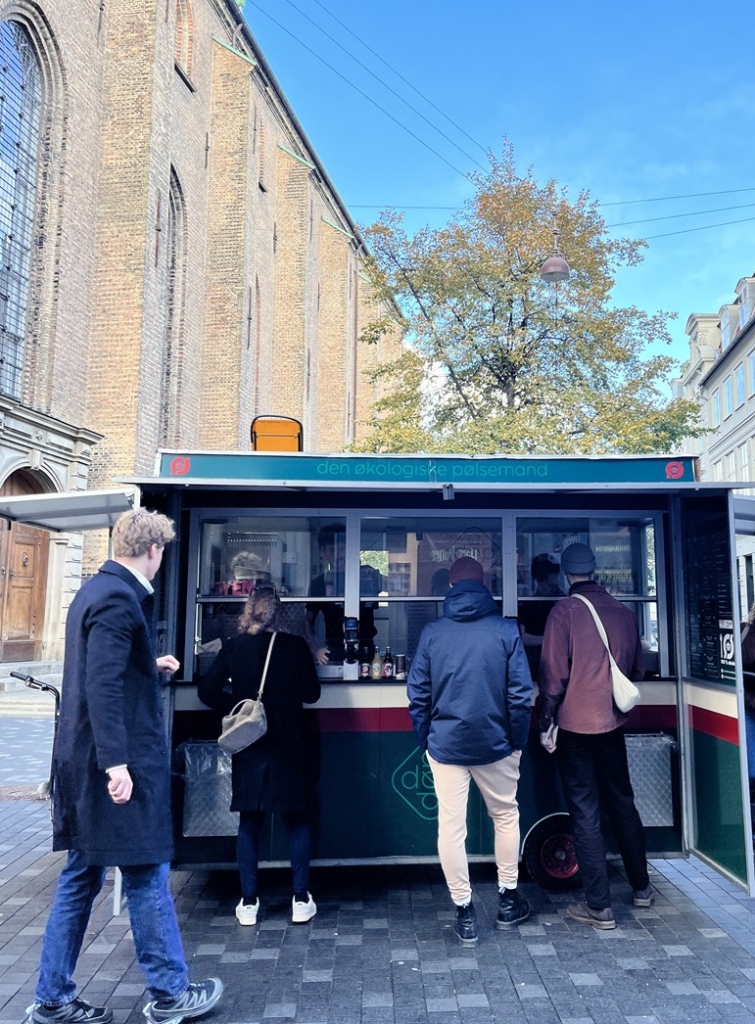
(198, 999)
(643, 897)
(465, 926)
(79, 1011)
(601, 919)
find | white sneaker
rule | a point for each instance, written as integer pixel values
(303, 912)
(246, 913)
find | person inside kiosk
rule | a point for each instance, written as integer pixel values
(330, 583)
(545, 572)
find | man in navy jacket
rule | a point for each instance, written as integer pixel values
(111, 798)
(469, 697)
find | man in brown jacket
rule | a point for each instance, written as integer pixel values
(576, 694)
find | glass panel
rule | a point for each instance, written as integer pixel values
(410, 557)
(624, 555)
(218, 620)
(398, 625)
(20, 116)
(740, 378)
(625, 566)
(302, 556)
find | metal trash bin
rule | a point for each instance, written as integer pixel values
(649, 757)
(207, 790)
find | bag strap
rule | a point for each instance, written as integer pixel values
(264, 670)
(598, 623)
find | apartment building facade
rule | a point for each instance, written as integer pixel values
(720, 374)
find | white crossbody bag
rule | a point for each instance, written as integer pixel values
(625, 693)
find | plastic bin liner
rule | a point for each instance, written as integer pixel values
(649, 758)
(207, 793)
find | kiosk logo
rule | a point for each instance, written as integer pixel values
(413, 781)
(180, 466)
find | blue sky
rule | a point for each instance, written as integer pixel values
(631, 103)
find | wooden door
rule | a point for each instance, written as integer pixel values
(23, 588)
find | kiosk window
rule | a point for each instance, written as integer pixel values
(303, 557)
(625, 555)
(404, 563)
(297, 555)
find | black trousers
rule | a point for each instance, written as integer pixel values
(595, 776)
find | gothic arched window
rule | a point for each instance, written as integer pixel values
(184, 35)
(20, 118)
(173, 303)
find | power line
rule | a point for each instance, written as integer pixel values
(676, 216)
(668, 199)
(623, 202)
(357, 89)
(399, 75)
(385, 84)
(704, 227)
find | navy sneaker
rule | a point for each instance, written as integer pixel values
(79, 1011)
(512, 910)
(466, 925)
(198, 999)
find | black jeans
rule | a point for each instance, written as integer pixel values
(595, 776)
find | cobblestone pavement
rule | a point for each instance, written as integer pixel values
(381, 950)
(25, 750)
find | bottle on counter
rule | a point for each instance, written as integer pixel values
(376, 669)
(388, 664)
(365, 663)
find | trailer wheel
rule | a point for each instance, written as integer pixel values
(549, 855)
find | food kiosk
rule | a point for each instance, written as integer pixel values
(371, 538)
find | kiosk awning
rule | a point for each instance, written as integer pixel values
(68, 511)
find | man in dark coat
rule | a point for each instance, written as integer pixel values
(576, 695)
(111, 796)
(469, 697)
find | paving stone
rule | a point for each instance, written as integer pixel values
(383, 952)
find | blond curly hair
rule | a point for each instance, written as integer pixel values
(137, 530)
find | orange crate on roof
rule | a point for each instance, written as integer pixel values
(277, 434)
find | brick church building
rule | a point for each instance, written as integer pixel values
(175, 261)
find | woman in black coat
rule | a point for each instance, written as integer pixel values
(277, 772)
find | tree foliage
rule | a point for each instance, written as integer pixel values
(499, 360)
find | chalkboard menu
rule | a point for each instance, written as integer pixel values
(708, 591)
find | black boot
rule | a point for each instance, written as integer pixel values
(466, 925)
(512, 909)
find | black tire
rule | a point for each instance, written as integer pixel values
(549, 855)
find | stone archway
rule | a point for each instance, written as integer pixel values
(24, 555)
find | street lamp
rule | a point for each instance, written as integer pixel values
(555, 267)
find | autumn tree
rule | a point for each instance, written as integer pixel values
(499, 360)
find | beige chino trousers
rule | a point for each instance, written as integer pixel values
(497, 782)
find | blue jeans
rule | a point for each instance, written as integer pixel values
(248, 849)
(153, 924)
